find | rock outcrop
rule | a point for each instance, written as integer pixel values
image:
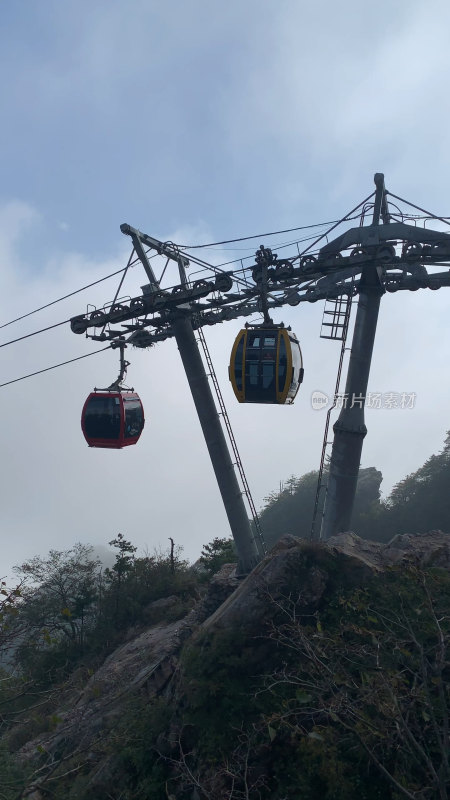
(145, 665)
(359, 558)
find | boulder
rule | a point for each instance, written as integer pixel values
(430, 549)
(353, 560)
(423, 549)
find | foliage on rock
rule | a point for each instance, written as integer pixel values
(324, 674)
(344, 697)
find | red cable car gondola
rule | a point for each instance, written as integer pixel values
(113, 417)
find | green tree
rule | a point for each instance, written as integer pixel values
(122, 567)
(421, 501)
(291, 509)
(9, 611)
(217, 553)
(58, 602)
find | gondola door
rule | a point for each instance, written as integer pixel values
(261, 366)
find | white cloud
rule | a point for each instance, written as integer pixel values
(332, 93)
(16, 217)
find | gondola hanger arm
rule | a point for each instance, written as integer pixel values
(117, 385)
(264, 258)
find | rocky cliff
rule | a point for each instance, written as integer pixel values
(147, 666)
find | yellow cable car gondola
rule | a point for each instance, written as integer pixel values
(266, 365)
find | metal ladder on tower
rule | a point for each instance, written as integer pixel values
(335, 321)
(336, 315)
(223, 411)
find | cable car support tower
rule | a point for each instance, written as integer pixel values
(393, 253)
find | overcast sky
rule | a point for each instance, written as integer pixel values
(197, 121)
